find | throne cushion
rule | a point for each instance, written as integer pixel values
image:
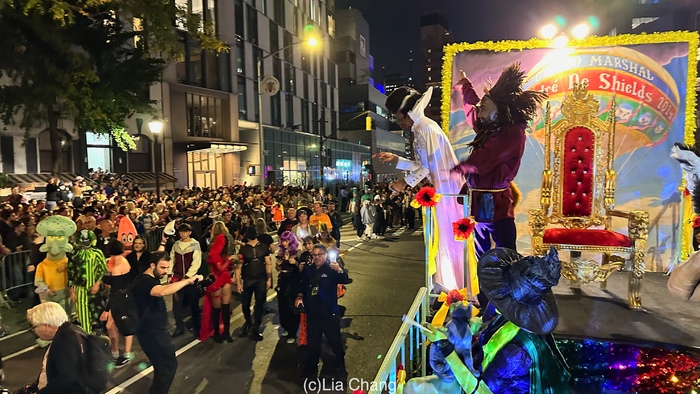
(577, 172)
(585, 237)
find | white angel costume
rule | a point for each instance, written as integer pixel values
(434, 158)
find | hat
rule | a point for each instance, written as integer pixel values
(520, 287)
(170, 228)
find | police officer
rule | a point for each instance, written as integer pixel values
(318, 296)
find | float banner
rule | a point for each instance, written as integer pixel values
(646, 76)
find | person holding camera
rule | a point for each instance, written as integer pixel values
(153, 319)
(254, 276)
(318, 299)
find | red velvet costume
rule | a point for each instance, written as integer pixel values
(497, 150)
(219, 265)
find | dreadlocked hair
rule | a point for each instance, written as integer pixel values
(515, 105)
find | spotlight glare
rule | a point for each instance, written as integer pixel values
(548, 31)
(593, 21)
(580, 31)
(560, 41)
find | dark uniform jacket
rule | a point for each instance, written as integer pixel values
(325, 302)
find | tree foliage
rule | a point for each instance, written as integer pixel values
(91, 61)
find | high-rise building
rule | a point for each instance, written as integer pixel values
(434, 35)
(364, 118)
(210, 104)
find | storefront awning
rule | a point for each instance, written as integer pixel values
(215, 147)
(149, 178)
(39, 179)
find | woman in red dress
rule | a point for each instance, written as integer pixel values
(216, 310)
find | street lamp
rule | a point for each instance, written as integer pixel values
(312, 42)
(156, 127)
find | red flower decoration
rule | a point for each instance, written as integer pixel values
(454, 296)
(696, 222)
(463, 228)
(426, 196)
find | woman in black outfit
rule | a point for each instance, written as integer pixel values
(288, 284)
(118, 279)
(253, 276)
(139, 257)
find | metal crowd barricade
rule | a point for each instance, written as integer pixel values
(14, 275)
(408, 350)
(154, 236)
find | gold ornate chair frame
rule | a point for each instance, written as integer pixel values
(579, 109)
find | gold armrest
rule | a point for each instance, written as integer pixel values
(621, 214)
(637, 222)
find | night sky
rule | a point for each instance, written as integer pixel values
(395, 24)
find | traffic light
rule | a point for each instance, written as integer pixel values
(368, 123)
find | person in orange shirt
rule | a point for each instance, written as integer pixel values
(319, 217)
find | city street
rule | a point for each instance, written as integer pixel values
(387, 274)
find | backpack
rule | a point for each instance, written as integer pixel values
(122, 305)
(96, 358)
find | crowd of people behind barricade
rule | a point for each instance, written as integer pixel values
(75, 252)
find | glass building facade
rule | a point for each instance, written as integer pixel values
(296, 159)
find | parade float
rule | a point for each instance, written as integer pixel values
(598, 186)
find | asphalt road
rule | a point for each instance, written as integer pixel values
(387, 274)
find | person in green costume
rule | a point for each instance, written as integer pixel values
(512, 350)
(86, 268)
(51, 277)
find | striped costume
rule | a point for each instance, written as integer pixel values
(87, 266)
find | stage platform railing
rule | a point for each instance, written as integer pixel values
(408, 350)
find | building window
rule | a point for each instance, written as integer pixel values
(45, 151)
(314, 117)
(279, 12)
(295, 28)
(274, 38)
(239, 17)
(242, 105)
(289, 102)
(202, 68)
(276, 100)
(306, 85)
(252, 16)
(323, 120)
(331, 73)
(289, 85)
(331, 25)
(140, 159)
(289, 52)
(256, 101)
(99, 151)
(204, 116)
(240, 58)
(7, 149)
(263, 6)
(305, 116)
(430, 69)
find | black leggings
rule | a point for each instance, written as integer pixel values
(259, 288)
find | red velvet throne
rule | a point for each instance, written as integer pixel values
(578, 184)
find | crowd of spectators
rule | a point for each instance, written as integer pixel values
(230, 227)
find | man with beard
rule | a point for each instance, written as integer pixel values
(434, 158)
(499, 120)
(153, 319)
